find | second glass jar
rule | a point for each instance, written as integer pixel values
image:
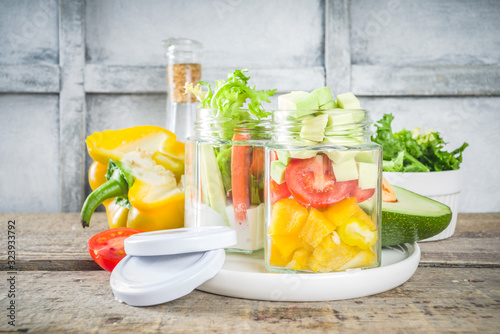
(323, 192)
(224, 176)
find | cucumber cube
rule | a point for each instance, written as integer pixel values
(348, 101)
(302, 154)
(329, 105)
(314, 128)
(368, 175)
(283, 157)
(339, 157)
(365, 156)
(278, 172)
(298, 101)
(346, 171)
(323, 94)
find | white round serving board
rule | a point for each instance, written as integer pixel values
(245, 276)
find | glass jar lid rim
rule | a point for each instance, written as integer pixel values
(180, 44)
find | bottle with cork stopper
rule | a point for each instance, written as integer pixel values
(183, 67)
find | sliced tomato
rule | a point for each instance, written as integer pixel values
(273, 155)
(278, 191)
(107, 248)
(362, 194)
(312, 182)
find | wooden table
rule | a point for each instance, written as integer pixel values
(58, 288)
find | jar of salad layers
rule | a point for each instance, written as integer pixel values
(224, 175)
(323, 185)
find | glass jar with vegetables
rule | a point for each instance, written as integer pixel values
(323, 185)
(224, 177)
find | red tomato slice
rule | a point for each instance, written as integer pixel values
(312, 182)
(106, 247)
(362, 194)
(273, 155)
(278, 191)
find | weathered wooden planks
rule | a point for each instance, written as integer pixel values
(338, 46)
(72, 105)
(374, 80)
(434, 300)
(60, 289)
(475, 243)
(29, 78)
(152, 79)
(58, 242)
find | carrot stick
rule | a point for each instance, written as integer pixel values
(240, 177)
(257, 166)
(257, 176)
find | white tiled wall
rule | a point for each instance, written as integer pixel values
(29, 155)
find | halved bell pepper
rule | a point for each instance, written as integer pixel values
(117, 214)
(137, 176)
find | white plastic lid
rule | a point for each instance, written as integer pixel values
(151, 280)
(179, 241)
(165, 265)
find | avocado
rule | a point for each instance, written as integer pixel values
(336, 120)
(323, 94)
(329, 105)
(314, 128)
(358, 115)
(342, 141)
(368, 175)
(345, 171)
(412, 218)
(278, 171)
(303, 102)
(339, 156)
(348, 101)
(303, 154)
(365, 156)
(283, 157)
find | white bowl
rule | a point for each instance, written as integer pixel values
(443, 187)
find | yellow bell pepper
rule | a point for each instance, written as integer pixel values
(116, 213)
(137, 176)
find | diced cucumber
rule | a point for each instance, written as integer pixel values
(368, 175)
(339, 157)
(329, 105)
(314, 128)
(348, 101)
(298, 100)
(303, 103)
(345, 171)
(323, 94)
(340, 119)
(278, 172)
(365, 156)
(303, 154)
(283, 157)
(212, 181)
(342, 140)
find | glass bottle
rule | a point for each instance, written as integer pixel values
(224, 177)
(183, 66)
(323, 192)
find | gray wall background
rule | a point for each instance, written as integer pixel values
(69, 68)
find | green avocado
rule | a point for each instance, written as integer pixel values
(412, 218)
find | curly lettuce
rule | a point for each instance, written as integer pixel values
(229, 97)
(414, 151)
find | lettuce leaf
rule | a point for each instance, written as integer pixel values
(229, 97)
(414, 151)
